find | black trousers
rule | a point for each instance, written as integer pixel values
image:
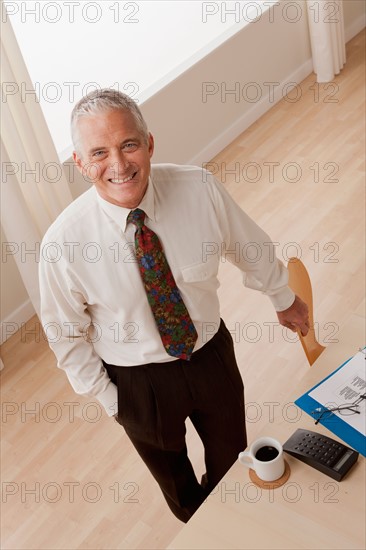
(154, 400)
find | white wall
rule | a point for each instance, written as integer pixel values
(354, 17)
(189, 130)
(192, 126)
(16, 307)
(130, 46)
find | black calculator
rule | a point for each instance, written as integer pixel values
(323, 453)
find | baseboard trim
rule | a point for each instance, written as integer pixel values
(356, 26)
(13, 322)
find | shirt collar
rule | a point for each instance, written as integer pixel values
(119, 213)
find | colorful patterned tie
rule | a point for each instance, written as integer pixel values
(175, 326)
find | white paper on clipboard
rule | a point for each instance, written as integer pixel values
(344, 387)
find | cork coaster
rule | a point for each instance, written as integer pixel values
(270, 484)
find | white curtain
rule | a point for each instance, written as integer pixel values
(33, 185)
(326, 25)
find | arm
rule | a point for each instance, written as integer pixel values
(254, 254)
(66, 322)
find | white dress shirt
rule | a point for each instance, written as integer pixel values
(93, 303)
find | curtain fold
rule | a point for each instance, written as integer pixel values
(328, 45)
(33, 185)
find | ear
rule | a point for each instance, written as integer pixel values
(151, 144)
(78, 162)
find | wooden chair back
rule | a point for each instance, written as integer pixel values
(299, 282)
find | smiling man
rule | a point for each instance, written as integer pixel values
(128, 281)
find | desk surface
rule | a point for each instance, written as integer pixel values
(311, 511)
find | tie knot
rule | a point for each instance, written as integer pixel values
(137, 217)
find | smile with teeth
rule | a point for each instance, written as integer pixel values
(125, 180)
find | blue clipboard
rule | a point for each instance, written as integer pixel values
(332, 422)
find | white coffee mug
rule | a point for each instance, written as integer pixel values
(265, 457)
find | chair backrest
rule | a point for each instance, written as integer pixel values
(299, 282)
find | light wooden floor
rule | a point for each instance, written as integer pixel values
(70, 477)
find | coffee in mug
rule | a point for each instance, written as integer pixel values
(266, 453)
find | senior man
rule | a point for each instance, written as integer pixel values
(131, 292)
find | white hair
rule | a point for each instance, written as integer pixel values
(103, 100)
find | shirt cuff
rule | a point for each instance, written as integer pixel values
(109, 399)
(283, 299)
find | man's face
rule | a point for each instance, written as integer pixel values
(114, 155)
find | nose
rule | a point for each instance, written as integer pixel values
(118, 163)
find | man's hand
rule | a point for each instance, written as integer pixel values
(295, 317)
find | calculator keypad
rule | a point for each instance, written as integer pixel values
(318, 447)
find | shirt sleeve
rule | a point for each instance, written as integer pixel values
(248, 247)
(69, 330)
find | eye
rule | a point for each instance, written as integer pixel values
(130, 146)
(98, 154)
